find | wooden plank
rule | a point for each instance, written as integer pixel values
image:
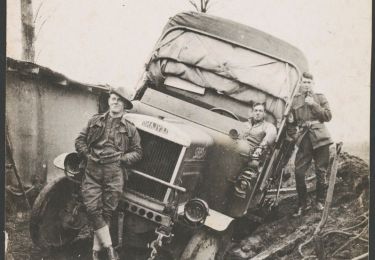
(288, 242)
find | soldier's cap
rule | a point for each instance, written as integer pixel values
(307, 75)
(123, 94)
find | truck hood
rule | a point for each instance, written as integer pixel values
(171, 129)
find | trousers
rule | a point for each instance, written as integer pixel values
(102, 187)
(304, 156)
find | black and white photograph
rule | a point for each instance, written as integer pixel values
(187, 129)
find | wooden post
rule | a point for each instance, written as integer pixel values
(318, 243)
(14, 168)
(28, 31)
(319, 247)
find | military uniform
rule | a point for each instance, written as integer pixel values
(108, 144)
(259, 134)
(313, 140)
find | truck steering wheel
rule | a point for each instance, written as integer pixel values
(224, 112)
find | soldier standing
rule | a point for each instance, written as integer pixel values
(109, 143)
(309, 112)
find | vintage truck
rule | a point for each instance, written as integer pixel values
(194, 181)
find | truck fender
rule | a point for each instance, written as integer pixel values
(217, 220)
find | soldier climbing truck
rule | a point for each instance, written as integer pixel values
(197, 176)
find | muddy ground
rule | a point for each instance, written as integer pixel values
(348, 216)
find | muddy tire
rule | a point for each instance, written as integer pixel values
(202, 245)
(57, 217)
(208, 244)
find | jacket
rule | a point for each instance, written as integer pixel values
(311, 118)
(261, 134)
(127, 139)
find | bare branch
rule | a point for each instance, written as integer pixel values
(37, 11)
(212, 4)
(45, 20)
(203, 6)
(41, 26)
(206, 4)
(37, 56)
(194, 4)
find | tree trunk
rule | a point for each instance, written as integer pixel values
(28, 30)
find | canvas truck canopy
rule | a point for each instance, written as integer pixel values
(230, 58)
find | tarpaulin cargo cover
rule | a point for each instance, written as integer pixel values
(240, 34)
(231, 58)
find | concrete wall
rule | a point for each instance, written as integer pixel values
(43, 119)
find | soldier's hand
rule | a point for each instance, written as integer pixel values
(309, 100)
(257, 152)
(290, 118)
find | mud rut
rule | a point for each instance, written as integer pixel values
(346, 229)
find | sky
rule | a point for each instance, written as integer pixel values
(109, 42)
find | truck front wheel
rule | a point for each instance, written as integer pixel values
(208, 244)
(57, 215)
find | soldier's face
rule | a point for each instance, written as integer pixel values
(258, 113)
(116, 105)
(306, 85)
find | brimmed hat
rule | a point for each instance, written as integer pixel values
(307, 75)
(122, 92)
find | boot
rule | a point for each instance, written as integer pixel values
(301, 210)
(105, 240)
(95, 255)
(111, 253)
(319, 206)
(96, 248)
(103, 236)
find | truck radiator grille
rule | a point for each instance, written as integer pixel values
(159, 160)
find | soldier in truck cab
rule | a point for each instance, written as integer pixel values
(306, 124)
(260, 134)
(109, 143)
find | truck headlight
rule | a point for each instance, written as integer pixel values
(196, 210)
(243, 183)
(241, 187)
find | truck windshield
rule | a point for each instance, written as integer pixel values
(210, 99)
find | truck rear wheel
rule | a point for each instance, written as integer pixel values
(57, 215)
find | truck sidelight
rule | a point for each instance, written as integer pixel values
(196, 211)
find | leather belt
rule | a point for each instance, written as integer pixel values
(307, 124)
(107, 159)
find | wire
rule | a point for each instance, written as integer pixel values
(358, 225)
(348, 242)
